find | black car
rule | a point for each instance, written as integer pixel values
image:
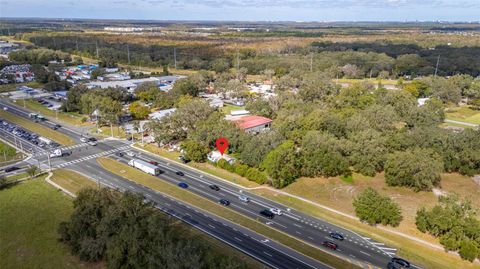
(11, 168)
(214, 187)
(119, 154)
(401, 262)
(183, 159)
(337, 236)
(54, 127)
(267, 213)
(180, 173)
(224, 202)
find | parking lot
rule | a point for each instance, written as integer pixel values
(32, 138)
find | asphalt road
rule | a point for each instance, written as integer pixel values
(355, 248)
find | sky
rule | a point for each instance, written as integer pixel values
(248, 10)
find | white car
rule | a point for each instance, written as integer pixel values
(131, 154)
(92, 143)
(83, 139)
(276, 211)
(5, 108)
(244, 198)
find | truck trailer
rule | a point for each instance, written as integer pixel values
(144, 166)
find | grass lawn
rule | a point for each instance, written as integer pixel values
(71, 118)
(106, 131)
(71, 180)
(205, 167)
(338, 194)
(370, 80)
(227, 108)
(37, 128)
(463, 113)
(8, 153)
(154, 183)
(30, 214)
(17, 177)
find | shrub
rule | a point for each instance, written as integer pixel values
(241, 169)
(254, 174)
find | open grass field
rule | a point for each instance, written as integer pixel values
(72, 181)
(37, 128)
(464, 114)
(338, 194)
(154, 183)
(71, 118)
(30, 214)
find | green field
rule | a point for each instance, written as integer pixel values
(30, 214)
(8, 153)
(37, 128)
(464, 114)
(152, 182)
(227, 108)
(71, 180)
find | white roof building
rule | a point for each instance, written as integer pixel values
(157, 115)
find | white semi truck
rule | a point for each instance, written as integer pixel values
(144, 166)
(45, 140)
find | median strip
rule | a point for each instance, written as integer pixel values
(154, 183)
(37, 128)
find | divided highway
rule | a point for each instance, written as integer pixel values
(357, 249)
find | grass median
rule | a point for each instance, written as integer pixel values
(154, 183)
(71, 180)
(37, 128)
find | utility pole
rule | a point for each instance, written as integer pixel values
(76, 44)
(175, 57)
(238, 64)
(436, 67)
(49, 163)
(128, 53)
(54, 43)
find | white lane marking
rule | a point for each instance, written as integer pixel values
(365, 253)
(266, 253)
(297, 225)
(211, 226)
(238, 239)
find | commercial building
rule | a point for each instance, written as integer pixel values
(254, 124)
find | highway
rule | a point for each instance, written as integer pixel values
(355, 248)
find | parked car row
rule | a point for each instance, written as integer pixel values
(45, 102)
(27, 135)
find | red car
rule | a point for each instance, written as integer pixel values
(330, 245)
(153, 162)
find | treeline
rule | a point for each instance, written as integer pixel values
(351, 60)
(415, 60)
(125, 232)
(38, 56)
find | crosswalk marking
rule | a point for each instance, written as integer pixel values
(101, 154)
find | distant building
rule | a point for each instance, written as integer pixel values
(254, 124)
(422, 101)
(157, 115)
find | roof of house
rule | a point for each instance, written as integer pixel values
(248, 122)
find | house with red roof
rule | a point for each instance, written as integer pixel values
(253, 124)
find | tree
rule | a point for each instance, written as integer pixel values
(468, 250)
(188, 86)
(32, 171)
(374, 208)
(255, 148)
(281, 164)
(139, 111)
(260, 107)
(3, 181)
(367, 152)
(220, 65)
(417, 168)
(194, 151)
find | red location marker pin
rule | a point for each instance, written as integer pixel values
(222, 144)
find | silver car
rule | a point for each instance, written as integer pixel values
(244, 199)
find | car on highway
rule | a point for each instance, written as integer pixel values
(224, 202)
(119, 154)
(92, 143)
(330, 245)
(11, 169)
(180, 173)
(336, 236)
(183, 185)
(214, 187)
(84, 139)
(153, 162)
(131, 154)
(267, 213)
(244, 199)
(276, 211)
(401, 262)
(5, 108)
(54, 127)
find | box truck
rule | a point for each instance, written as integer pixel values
(144, 166)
